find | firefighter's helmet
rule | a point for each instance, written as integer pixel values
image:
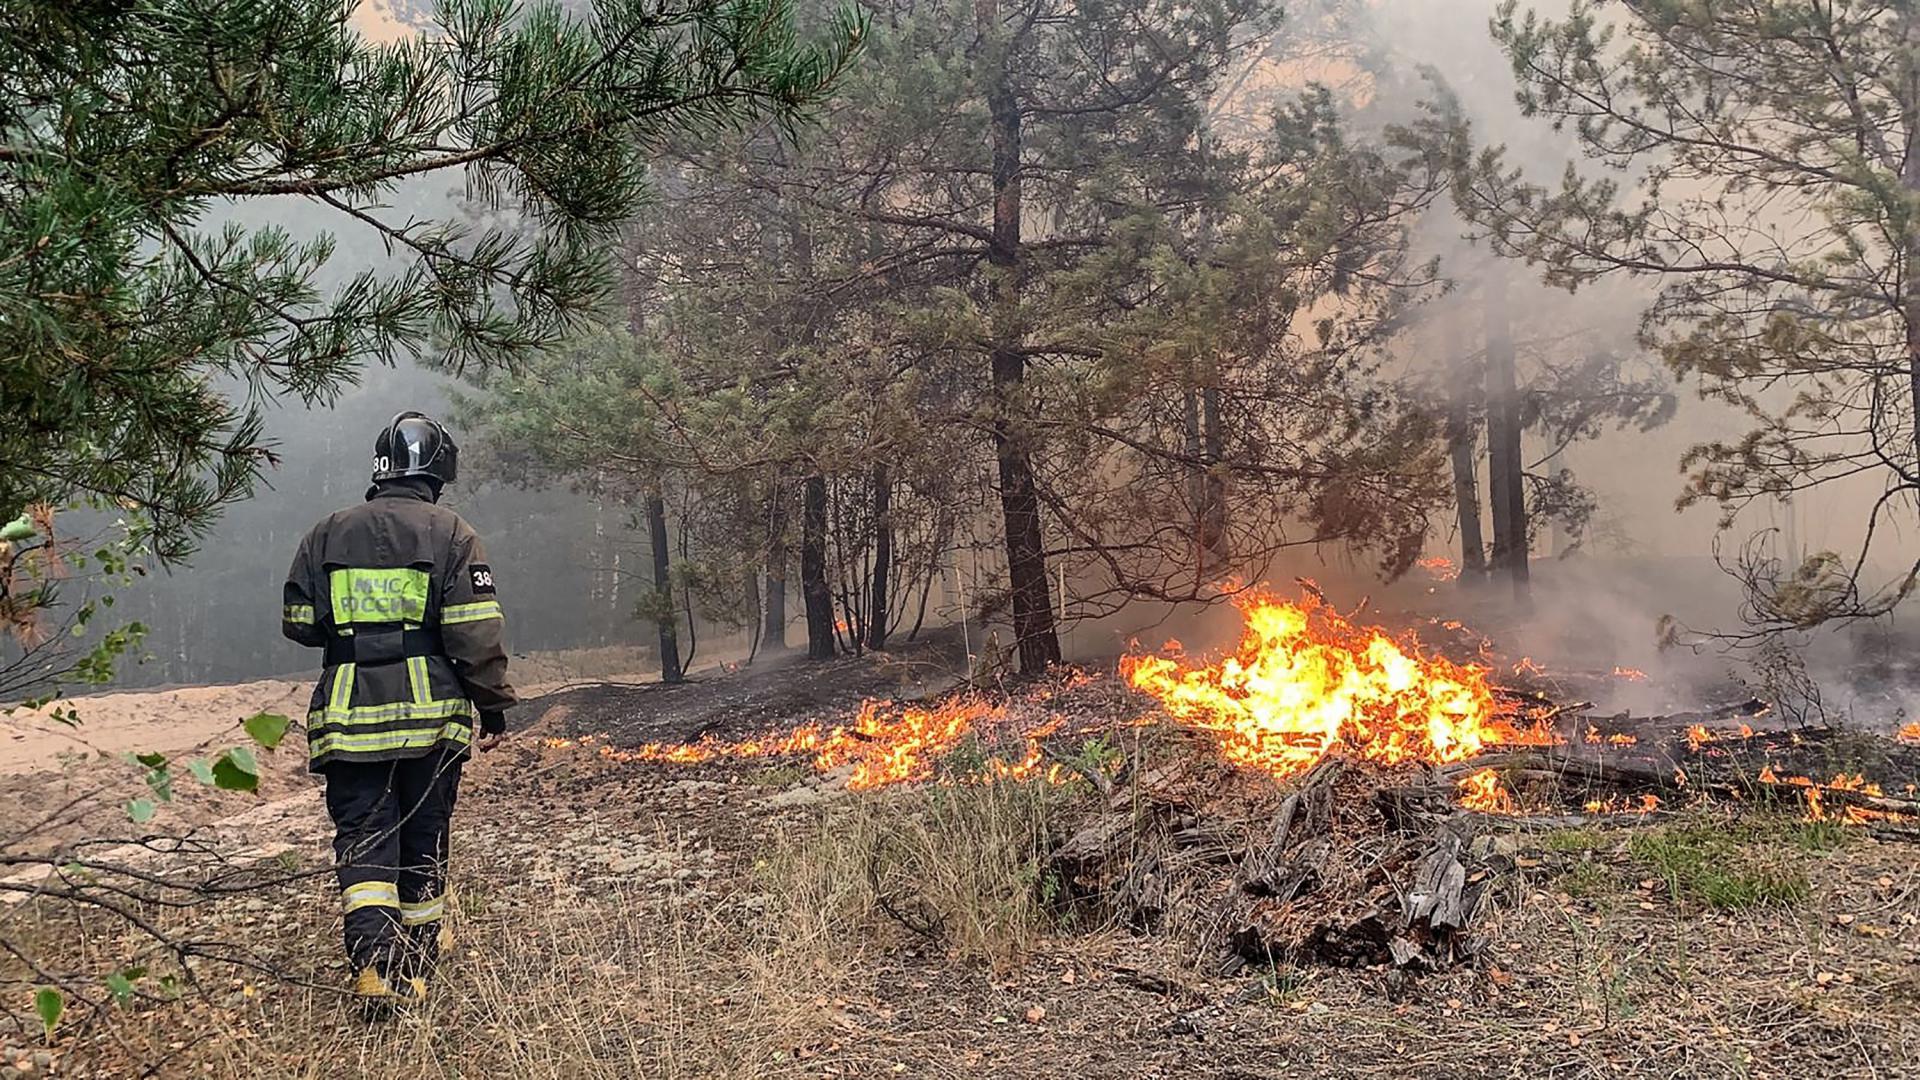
(414, 444)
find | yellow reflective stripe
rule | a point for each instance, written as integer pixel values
(374, 742)
(459, 613)
(342, 693)
(417, 680)
(299, 614)
(364, 894)
(399, 710)
(424, 912)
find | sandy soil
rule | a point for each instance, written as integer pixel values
(62, 782)
(168, 721)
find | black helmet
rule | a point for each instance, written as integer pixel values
(415, 444)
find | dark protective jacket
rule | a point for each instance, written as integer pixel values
(398, 592)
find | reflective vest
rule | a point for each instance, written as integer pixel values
(399, 594)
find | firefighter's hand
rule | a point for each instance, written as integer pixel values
(493, 729)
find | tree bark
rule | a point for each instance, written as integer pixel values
(1205, 488)
(1213, 512)
(1464, 400)
(882, 558)
(663, 588)
(1505, 470)
(1033, 627)
(774, 615)
(1910, 181)
(813, 570)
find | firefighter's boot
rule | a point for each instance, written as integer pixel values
(379, 995)
(375, 994)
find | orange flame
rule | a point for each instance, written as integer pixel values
(885, 744)
(1634, 674)
(1484, 792)
(1815, 792)
(1644, 804)
(1304, 682)
(1439, 568)
(1910, 733)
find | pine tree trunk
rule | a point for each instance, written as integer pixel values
(882, 558)
(1196, 476)
(1462, 443)
(1213, 513)
(1505, 470)
(1910, 181)
(1033, 628)
(663, 588)
(774, 622)
(813, 569)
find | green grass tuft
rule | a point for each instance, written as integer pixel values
(1724, 867)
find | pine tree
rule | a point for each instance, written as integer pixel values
(1761, 162)
(129, 310)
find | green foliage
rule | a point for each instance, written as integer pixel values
(123, 132)
(143, 337)
(236, 770)
(121, 983)
(36, 570)
(1095, 759)
(49, 1004)
(267, 729)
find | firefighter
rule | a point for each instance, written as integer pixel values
(398, 592)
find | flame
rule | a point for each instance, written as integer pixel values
(1618, 738)
(1484, 792)
(1304, 682)
(1815, 793)
(1439, 568)
(1634, 674)
(1526, 666)
(885, 744)
(1910, 733)
(1644, 804)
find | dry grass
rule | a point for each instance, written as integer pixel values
(961, 867)
(910, 932)
(634, 981)
(618, 987)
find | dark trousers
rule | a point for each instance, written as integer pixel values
(390, 821)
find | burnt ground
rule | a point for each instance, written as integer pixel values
(778, 691)
(622, 919)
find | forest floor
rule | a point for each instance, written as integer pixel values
(623, 918)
